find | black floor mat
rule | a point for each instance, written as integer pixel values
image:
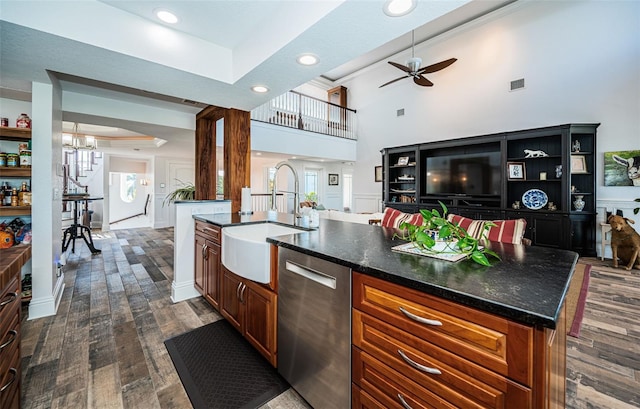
(220, 369)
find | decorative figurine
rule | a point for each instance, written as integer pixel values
(578, 203)
(516, 205)
(576, 146)
(558, 171)
(552, 207)
(529, 153)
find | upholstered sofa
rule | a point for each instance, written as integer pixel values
(363, 218)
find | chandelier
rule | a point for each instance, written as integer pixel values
(78, 141)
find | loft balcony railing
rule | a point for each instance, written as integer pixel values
(299, 111)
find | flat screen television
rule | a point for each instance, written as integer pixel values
(469, 174)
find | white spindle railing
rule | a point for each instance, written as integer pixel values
(295, 110)
(261, 202)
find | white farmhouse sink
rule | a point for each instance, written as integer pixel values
(245, 250)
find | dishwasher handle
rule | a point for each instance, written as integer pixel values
(313, 275)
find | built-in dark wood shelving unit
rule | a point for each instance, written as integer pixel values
(565, 227)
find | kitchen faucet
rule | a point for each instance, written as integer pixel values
(296, 198)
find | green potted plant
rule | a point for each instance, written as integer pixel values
(185, 192)
(436, 227)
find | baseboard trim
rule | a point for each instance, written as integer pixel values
(47, 306)
(183, 291)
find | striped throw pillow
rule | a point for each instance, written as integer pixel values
(394, 218)
(505, 231)
(473, 227)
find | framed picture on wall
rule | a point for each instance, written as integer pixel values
(516, 171)
(333, 179)
(378, 174)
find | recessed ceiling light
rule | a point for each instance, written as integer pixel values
(397, 8)
(308, 59)
(166, 16)
(261, 89)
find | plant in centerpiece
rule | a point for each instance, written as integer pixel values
(455, 239)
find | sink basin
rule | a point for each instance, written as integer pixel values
(245, 250)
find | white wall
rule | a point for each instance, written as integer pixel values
(580, 61)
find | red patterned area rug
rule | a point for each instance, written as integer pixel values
(577, 298)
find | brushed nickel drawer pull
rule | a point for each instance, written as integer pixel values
(244, 287)
(14, 371)
(432, 371)
(11, 297)
(404, 402)
(420, 319)
(14, 334)
(238, 291)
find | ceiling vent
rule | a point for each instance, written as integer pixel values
(517, 84)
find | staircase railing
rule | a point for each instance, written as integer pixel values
(299, 111)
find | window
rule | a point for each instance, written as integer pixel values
(220, 184)
(347, 191)
(128, 187)
(270, 174)
(311, 184)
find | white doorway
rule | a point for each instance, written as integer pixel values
(128, 201)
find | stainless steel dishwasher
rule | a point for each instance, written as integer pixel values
(314, 328)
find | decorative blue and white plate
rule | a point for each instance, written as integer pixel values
(534, 199)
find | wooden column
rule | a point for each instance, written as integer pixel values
(237, 153)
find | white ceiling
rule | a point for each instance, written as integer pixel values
(216, 52)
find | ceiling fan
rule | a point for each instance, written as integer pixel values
(412, 69)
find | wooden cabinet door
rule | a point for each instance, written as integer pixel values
(199, 263)
(260, 319)
(230, 306)
(212, 274)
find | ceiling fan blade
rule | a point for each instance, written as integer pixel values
(437, 66)
(399, 66)
(392, 81)
(420, 80)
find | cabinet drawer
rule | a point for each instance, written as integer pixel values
(9, 372)
(442, 372)
(492, 342)
(390, 388)
(210, 231)
(362, 400)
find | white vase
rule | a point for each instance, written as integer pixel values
(578, 204)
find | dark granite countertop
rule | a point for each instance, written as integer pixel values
(528, 285)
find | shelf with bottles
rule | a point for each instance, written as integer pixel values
(14, 172)
(15, 211)
(15, 134)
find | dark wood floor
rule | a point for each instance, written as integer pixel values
(104, 348)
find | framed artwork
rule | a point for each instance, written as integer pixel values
(516, 171)
(333, 179)
(378, 174)
(622, 168)
(578, 164)
(403, 160)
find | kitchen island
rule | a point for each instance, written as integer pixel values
(500, 335)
